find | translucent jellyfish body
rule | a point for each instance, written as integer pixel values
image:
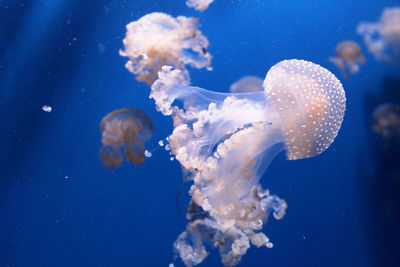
(348, 58)
(127, 130)
(158, 39)
(199, 5)
(247, 84)
(387, 121)
(383, 37)
(225, 142)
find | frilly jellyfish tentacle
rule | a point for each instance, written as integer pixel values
(158, 39)
(383, 37)
(199, 5)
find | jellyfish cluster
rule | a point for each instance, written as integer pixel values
(386, 119)
(127, 130)
(348, 58)
(157, 39)
(382, 38)
(225, 141)
(247, 84)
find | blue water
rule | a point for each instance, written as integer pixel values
(60, 207)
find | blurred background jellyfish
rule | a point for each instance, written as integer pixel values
(386, 119)
(225, 142)
(126, 129)
(348, 58)
(158, 39)
(383, 37)
(247, 84)
(199, 5)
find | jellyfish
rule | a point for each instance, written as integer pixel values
(199, 5)
(247, 84)
(348, 58)
(387, 121)
(158, 39)
(225, 142)
(126, 129)
(383, 37)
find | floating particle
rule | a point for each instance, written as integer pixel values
(46, 108)
(147, 154)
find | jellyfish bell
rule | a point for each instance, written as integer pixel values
(227, 140)
(126, 129)
(382, 38)
(158, 39)
(348, 58)
(247, 84)
(349, 51)
(310, 101)
(386, 119)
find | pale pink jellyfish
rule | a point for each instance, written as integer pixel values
(126, 129)
(348, 58)
(158, 39)
(247, 84)
(387, 121)
(383, 37)
(225, 142)
(199, 5)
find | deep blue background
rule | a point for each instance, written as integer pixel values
(64, 53)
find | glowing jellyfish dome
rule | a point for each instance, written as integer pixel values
(348, 58)
(387, 121)
(157, 39)
(247, 84)
(225, 142)
(126, 129)
(383, 37)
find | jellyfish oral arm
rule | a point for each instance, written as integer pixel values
(226, 140)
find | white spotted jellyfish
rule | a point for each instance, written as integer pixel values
(225, 142)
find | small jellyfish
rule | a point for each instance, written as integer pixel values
(387, 121)
(199, 5)
(158, 39)
(348, 58)
(383, 37)
(247, 84)
(126, 129)
(225, 142)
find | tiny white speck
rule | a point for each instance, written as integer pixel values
(147, 154)
(46, 108)
(161, 143)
